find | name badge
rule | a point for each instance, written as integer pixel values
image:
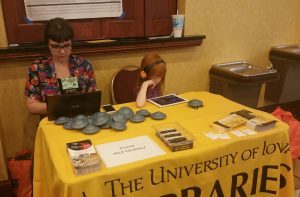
(69, 85)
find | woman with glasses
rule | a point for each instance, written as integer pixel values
(60, 72)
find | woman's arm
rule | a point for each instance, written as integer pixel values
(32, 91)
(142, 95)
(36, 107)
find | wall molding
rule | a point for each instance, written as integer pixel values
(33, 51)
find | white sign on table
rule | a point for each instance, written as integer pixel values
(127, 151)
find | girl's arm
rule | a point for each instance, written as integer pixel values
(141, 97)
(36, 107)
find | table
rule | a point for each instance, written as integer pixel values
(258, 165)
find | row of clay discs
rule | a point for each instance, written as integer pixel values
(101, 120)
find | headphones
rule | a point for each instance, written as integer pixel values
(147, 68)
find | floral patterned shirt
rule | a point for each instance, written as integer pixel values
(42, 81)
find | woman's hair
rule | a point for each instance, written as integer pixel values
(58, 30)
(154, 67)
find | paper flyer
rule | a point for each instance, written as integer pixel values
(127, 151)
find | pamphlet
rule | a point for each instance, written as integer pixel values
(83, 157)
(260, 123)
(229, 122)
(245, 114)
(127, 151)
(241, 117)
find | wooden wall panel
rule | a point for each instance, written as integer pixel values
(158, 19)
(3, 168)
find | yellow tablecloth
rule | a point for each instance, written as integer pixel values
(257, 165)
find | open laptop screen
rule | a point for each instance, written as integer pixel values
(70, 105)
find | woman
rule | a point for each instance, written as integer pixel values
(60, 73)
(152, 78)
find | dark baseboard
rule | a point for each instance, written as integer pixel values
(293, 107)
(6, 189)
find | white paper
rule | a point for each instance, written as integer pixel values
(224, 136)
(238, 133)
(249, 131)
(211, 135)
(127, 151)
(38, 10)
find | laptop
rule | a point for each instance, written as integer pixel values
(70, 105)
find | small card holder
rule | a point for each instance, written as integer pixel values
(174, 136)
(68, 85)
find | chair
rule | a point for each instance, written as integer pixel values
(123, 85)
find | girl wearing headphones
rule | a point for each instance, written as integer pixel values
(152, 78)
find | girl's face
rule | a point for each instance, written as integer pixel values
(157, 73)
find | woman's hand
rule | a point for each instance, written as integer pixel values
(36, 107)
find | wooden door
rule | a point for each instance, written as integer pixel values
(130, 24)
(158, 17)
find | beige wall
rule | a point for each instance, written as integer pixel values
(235, 30)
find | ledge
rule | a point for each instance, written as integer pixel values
(33, 51)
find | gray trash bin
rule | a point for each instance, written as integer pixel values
(240, 81)
(286, 60)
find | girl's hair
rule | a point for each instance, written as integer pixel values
(154, 66)
(58, 30)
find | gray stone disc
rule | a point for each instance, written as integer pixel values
(119, 126)
(143, 112)
(100, 120)
(79, 123)
(107, 124)
(90, 129)
(158, 115)
(99, 114)
(61, 120)
(68, 125)
(195, 103)
(126, 111)
(119, 117)
(137, 118)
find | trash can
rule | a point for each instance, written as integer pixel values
(240, 81)
(286, 60)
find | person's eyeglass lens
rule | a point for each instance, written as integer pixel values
(59, 47)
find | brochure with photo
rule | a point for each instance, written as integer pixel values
(229, 122)
(167, 100)
(83, 157)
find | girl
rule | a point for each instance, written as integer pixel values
(152, 78)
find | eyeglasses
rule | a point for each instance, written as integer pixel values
(58, 47)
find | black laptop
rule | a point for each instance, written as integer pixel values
(70, 105)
